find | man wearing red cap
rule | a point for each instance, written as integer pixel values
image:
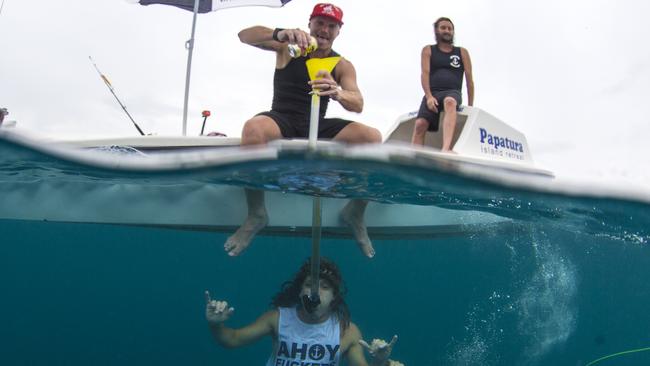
(290, 111)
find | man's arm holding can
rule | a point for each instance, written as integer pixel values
(273, 39)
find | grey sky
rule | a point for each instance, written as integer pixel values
(571, 75)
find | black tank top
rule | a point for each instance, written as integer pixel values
(446, 69)
(291, 91)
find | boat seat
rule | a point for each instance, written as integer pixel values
(404, 132)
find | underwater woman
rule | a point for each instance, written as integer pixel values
(301, 337)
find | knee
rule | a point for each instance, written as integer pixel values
(252, 133)
(359, 134)
(450, 104)
(373, 135)
(421, 125)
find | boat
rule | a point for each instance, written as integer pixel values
(5, 123)
(195, 183)
(479, 138)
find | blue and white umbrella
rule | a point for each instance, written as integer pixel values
(206, 6)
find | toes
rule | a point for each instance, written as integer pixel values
(367, 249)
(370, 252)
(228, 245)
(235, 250)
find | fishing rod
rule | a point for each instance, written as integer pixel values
(110, 87)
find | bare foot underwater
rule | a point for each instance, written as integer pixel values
(352, 215)
(242, 238)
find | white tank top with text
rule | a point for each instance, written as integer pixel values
(302, 344)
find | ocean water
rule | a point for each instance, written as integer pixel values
(526, 278)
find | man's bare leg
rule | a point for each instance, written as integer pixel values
(352, 215)
(419, 131)
(257, 131)
(256, 220)
(353, 212)
(448, 123)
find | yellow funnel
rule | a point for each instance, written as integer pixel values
(314, 65)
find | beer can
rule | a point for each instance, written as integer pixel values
(295, 51)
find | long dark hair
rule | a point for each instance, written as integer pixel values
(443, 19)
(289, 295)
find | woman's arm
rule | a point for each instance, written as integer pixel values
(231, 338)
(217, 312)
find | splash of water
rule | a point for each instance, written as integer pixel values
(546, 308)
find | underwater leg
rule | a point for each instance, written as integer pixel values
(352, 215)
(256, 220)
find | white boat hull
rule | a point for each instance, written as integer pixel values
(191, 204)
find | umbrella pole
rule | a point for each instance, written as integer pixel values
(311, 302)
(189, 45)
(315, 252)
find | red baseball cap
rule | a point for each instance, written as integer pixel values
(328, 10)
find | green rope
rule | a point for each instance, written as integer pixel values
(618, 354)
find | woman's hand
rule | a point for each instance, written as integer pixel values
(380, 350)
(216, 312)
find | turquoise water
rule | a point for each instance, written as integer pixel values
(563, 283)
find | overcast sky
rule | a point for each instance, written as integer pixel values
(572, 75)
